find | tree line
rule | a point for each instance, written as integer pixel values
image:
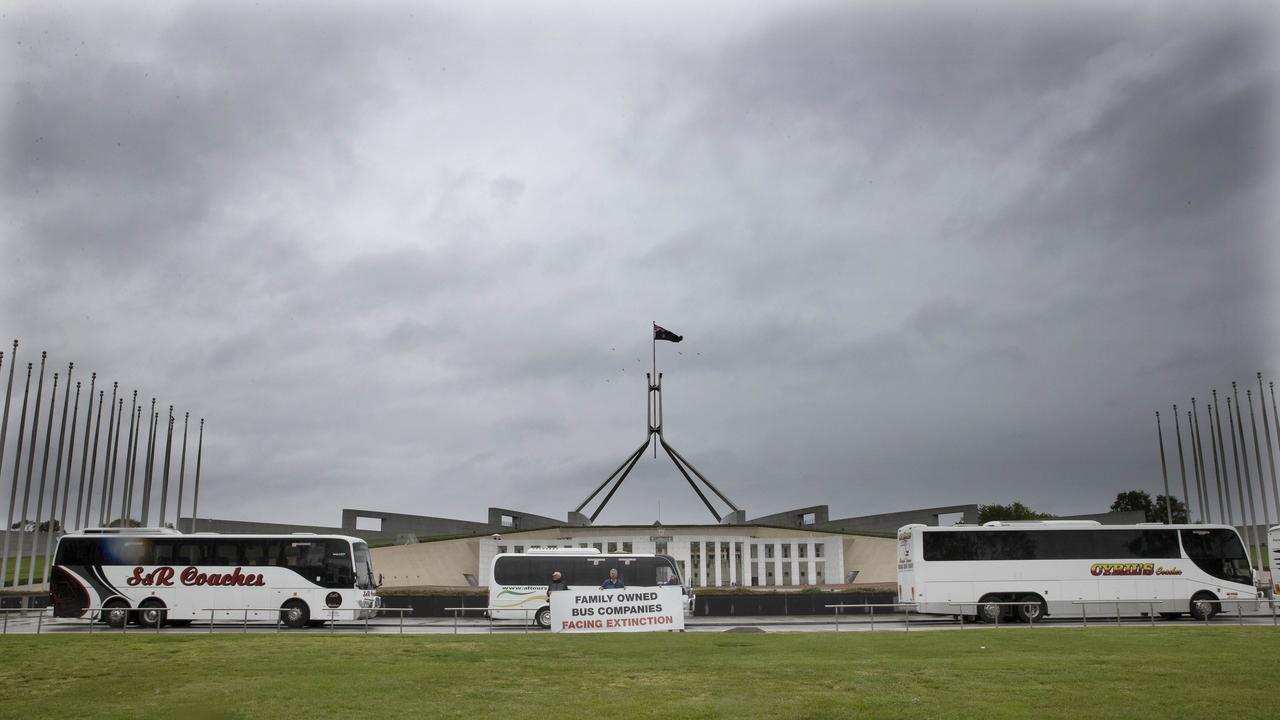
(1132, 500)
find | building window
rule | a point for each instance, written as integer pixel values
(755, 551)
(809, 519)
(599, 547)
(804, 550)
(626, 547)
(508, 521)
(818, 548)
(502, 548)
(519, 548)
(786, 551)
(768, 551)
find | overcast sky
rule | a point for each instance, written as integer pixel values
(405, 257)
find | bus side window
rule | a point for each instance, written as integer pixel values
(162, 552)
(224, 554)
(251, 553)
(187, 553)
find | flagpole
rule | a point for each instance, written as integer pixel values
(1222, 452)
(13, 492)
(195, 495)
(653, 338)
(71, 454)
(84, 452)
(1271, 460)
(1182, 465)
(1257, 454)
(1244, 461)
(1168, 511)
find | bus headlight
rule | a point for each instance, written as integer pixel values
(333, 599)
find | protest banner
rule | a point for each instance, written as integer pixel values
(633, 609)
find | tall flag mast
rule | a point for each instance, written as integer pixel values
(654, 429)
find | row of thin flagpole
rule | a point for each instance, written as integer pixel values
(113, 483)
(1222, 469)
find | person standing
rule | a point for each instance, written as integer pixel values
(613, 582)
(557, 583)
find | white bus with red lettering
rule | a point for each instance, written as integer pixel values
(174, 578)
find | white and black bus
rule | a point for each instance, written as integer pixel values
(518, 581)
(1068, 567)
(175, 578)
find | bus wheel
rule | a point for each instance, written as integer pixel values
(543, 618)
(295, 614)
(153, 613)
(1031, 609)
(1203, 606)
(116, 613)
(988, 610)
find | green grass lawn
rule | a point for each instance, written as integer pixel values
(23, 569)
(1013, 673)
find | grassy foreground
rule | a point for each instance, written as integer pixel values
(1049, 673)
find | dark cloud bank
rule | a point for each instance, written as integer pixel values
(406, 257)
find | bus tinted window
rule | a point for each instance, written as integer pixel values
(587, 570)
(1219, 553)
(1120, 544)
(77, 551)
(124, 551)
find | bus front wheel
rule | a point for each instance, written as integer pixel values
(295, 614)
(989, 609)
(543, 618)
(1203, 606)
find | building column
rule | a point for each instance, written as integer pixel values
(777, 563)
(813, 565)
(795, 563)
(702, 563)
(733, 563)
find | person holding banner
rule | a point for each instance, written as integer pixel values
(613, 582)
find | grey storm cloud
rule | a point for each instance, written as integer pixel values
(405, 256)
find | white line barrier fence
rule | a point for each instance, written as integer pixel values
(1031, 617)
(455, 610)
(96, 615)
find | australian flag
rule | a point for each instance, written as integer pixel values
(661, 333)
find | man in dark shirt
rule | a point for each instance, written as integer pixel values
(556, 584)
(614, 582)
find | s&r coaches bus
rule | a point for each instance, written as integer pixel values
(174, 578)
(518, 581)
(1049, 565)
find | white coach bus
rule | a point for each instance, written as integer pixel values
(1050, 566)
(518, 581)
(175, 578)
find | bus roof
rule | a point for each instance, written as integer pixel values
(171, 533)
(996, 526)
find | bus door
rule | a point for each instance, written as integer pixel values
(226, 601)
